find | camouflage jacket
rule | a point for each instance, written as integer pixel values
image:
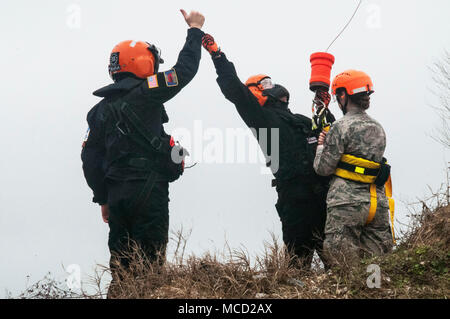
(355, 134)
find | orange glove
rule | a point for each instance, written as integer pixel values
(210, 45)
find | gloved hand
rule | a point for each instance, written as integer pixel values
(210, 45)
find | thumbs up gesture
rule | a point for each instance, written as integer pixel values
(194, 19)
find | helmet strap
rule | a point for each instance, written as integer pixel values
(344, 106)
(157, 55)
(344, 109)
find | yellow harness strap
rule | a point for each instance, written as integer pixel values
(373, 203)
(358, 175)
(388, 190)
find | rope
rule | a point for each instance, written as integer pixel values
(348, 23)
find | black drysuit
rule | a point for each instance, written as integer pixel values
(301, 192)
(108, 155)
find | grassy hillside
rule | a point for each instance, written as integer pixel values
(417, 268)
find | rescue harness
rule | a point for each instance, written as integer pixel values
(368, 172)
(160, 149)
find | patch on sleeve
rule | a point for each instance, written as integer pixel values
(153, 81)
(312, 140)
(86, 137)
(171, 78)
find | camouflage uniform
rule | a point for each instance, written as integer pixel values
(348, 202)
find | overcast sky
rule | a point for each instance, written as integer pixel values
(55, 54)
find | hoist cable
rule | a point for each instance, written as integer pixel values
(348, 23)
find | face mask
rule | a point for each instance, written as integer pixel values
(276, 96)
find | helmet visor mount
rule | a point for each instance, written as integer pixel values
(157, 54)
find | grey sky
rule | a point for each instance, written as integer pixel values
(51, 64)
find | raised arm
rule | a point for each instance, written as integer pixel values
(232, 88)
(163, 86)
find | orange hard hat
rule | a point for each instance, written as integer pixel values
(137, 57)
(256, 85)
(353, 82)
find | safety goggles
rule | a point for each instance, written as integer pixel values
(264, 84)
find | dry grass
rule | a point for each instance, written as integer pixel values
(417, 268)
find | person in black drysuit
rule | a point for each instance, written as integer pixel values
(128, 175)
(302, 193)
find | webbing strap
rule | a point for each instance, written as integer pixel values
(388, 189)
(357, 161)
(361, 170)
(358, 169)
(373, 203)
(356, 177)
(154, 141)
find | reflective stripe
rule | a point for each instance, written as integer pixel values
(359, 90)
(360, 170)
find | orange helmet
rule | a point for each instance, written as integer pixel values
(353, 82)
(137, 57)
(257, 84)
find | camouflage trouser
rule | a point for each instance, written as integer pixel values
(347, 235)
